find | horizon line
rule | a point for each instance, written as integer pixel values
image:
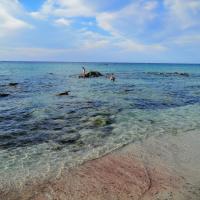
(109, 62)
(105, 62)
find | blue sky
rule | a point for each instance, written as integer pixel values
(100, 30)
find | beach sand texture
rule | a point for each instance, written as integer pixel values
(164, 167)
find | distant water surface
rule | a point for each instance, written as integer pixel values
(41, 133)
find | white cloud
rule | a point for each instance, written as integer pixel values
(105, 21)
(150, 5)
(133, 46)
(64, 8)
(130, 19)
(134, 15)
(123, 25)
(126, 25)
(88, 23)
(183, 13)
(95, 44)
(186, 40)
(62, 22)
(140, 26)
(10, 10)
(92, 40)
(25, 53)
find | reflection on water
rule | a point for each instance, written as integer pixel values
(41, 133)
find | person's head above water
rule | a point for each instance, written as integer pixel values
(112, 77)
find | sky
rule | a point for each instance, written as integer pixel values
(100, 30)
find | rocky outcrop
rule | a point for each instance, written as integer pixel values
(91, 74)
(181, 74)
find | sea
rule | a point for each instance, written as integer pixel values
(42, 133)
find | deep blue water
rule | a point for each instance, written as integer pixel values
(41, 133)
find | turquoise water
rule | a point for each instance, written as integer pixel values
(41, 133)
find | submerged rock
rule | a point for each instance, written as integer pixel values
(129, 90)
(63, 93)
(183, 74)
(69, 139)
(101, 121)
(13, 84)
(91, 74)
(56, 147)
(4, 95)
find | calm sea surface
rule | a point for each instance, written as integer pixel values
(41, 133)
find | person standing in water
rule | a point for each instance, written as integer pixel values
(84, 71)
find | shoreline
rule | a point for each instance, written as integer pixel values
(160, 167)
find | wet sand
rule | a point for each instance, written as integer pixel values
(163, 167)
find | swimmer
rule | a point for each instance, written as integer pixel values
(112, 77)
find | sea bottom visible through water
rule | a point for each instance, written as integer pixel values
(42, 133)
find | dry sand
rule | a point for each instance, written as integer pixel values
(159, 168)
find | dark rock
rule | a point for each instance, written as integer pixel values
(13, 84)
(63, 93)
(184, 74)
(57, 128)
(4, 95)
(169, 73)
(91, 74)
(89, 102)
(69, 139)
(6, 137)
(129, 90)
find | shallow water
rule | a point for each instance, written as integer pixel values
(41, 133)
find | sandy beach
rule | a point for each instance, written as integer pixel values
(163, 167)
